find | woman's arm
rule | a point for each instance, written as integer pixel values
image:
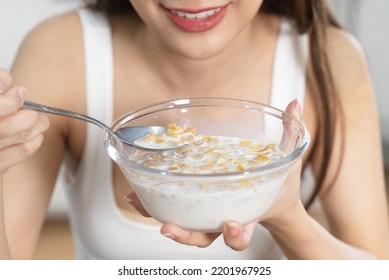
(20, 136)
(4, 249)
(356, 205)
(45, 65)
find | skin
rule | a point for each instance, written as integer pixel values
(50, 67)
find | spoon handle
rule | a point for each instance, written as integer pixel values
(61, 112)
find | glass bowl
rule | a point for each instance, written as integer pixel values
(203, 202)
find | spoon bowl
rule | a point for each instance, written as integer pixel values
(127, 135)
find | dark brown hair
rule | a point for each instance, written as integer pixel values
(312, 17)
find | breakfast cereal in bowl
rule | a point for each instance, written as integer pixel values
(231, 160)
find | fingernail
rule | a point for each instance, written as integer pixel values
(128, 198)
(232, 229)
(297, 108)
(169, 235)
(130, 201)
(22, 92)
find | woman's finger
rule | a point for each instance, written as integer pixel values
(12, 100)
(133, 200)
(23, 125)
(237, 236)
(289, 136)
(26, 134)
(179, 235)
(5, 80)
(187, 237)
(16, 153)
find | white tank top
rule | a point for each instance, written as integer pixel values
(99, 228)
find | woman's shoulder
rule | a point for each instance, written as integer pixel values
(347, 60)
(55, 40)
(342, 44)
(54, 33)
(49, 61)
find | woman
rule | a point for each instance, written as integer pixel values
(139, 52)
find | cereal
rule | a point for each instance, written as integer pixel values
(204, 153)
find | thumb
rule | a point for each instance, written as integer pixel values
(5, 80)
(294, 108)
(289, 135)
(11, 98)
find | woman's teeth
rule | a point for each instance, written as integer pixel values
(200, 15)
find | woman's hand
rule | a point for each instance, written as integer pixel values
(238, 236)
(235, 235)
(20, 130)
(288, 198)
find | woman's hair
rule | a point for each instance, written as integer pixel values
(312, 17)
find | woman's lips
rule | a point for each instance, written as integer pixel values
(197, 21)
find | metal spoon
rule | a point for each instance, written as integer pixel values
(128, 135)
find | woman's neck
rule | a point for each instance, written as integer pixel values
(218, 72)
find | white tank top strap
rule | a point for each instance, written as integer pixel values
(289, 72)
(289, 66)
(98, 63)
(93, 178)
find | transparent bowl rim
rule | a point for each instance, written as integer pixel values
(211, 102)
